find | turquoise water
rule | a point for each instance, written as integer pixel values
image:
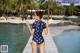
(68, 41)
(15, 36)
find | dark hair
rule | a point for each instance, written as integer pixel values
(39, 13)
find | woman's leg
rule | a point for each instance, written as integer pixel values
(34, 47)
(42, 48)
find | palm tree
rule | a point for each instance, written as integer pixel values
(36, 4)
(2, 6)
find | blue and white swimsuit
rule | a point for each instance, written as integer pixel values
(38, 26)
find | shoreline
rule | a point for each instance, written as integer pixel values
(18, 20)
(50, 22)
(30, 21)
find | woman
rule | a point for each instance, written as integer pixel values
(37, 28)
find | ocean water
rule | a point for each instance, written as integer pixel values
(68, 41)
(15, 36)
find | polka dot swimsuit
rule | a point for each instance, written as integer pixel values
(38, 26)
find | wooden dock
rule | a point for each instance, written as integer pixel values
(50, 46)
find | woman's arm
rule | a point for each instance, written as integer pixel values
(32, 31)
(46, 30)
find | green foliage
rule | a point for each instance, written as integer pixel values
(21, 6)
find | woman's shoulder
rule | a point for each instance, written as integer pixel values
(43, 23)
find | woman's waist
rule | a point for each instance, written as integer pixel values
(37, 33)
(37, 36)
